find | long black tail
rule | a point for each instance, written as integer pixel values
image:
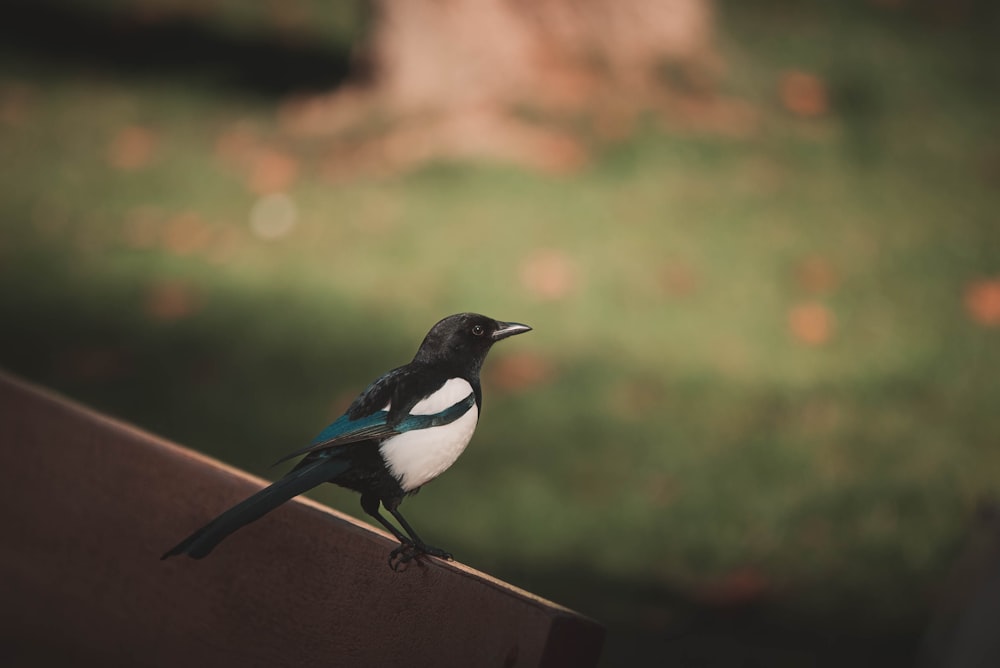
(299, 480)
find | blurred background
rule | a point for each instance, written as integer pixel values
(758, 243)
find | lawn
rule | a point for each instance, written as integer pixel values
(763, 371)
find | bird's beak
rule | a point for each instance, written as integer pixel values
(509, 329)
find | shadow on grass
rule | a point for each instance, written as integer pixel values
(237, 380)
(244, 378)
(653, 625)
(164, 47)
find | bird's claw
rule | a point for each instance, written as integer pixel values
(436, 552)
(407, 552)
(401, 556)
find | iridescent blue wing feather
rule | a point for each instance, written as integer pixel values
(376, 426)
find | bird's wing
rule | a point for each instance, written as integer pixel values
(366, 418)
(344, 430)
(378, 425)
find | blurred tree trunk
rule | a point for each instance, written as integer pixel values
(462, 78)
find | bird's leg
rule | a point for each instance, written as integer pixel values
(369, 504)
(407, 549)
(418, 545)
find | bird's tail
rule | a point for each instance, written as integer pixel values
(204, 540)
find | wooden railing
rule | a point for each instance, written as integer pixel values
(88, 504)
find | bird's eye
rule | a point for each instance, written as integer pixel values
(477, 330)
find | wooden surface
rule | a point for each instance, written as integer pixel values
(88, 504)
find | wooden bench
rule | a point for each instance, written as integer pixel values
(88, 504)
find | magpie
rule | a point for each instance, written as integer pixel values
(403, 431)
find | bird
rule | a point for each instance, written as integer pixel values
(404, 430)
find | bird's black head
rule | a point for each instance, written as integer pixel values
(464, 339)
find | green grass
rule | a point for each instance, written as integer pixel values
(684, 434)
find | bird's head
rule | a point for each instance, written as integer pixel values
(465, 338)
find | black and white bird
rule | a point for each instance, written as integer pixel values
(403, 431)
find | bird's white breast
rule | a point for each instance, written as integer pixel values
(417, 457)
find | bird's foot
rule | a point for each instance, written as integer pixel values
(407, 552)
(402, 554)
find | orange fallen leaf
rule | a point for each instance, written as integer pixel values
(815, 274)
(517, 371)
(739, 587)
(803, 94)
(811, 323)
(15, 103)
(132, 148)
(982, 301)
(556, 153)
(170, 300)
(186, 233)
(272, 171)
(614, 123)
(679, 279)
(549, 275)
